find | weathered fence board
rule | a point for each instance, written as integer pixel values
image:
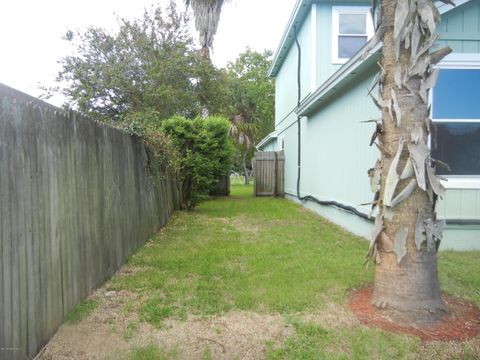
(269, 173)
(76, 200)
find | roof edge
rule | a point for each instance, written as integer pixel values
(266, 139)
(284, 42)
(443, 8)
(297, 16)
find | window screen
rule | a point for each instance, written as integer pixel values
(352, 34)
(458, 145)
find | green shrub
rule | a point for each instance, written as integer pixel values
(205, 154)
(163, 157)
(197, 152)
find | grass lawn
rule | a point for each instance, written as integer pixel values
(269, 257)
(245, 253)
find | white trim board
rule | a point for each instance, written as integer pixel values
(443, 8)
(313, 65)
(460, 61)
(472, 183)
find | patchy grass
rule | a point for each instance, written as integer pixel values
(82, 310)
(152, 352)
(244, 253)
(312, 341)
(259, 254)
(247, 277)
(130, 330)
(460, 274)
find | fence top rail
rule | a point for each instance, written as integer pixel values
(27, 100)
(19, 95)
(270, 155)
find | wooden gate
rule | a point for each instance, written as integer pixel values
(269, 170)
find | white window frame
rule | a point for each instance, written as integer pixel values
(463, 61)
(336, 11)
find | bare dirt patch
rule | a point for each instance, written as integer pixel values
(462, 322)
(113, 330)
(332, 316)
(235, 335)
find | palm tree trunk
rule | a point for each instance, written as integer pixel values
(205, 52)
(406, 234)
(245, 170)
(207, 16)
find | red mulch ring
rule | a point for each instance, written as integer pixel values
(462, 322)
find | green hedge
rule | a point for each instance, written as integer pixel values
(205, 151)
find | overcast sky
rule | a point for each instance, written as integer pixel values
(31, 31)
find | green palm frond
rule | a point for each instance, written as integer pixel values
(244, 132)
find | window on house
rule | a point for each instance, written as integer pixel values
(456, 113)
(352, 28)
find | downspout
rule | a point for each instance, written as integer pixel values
(338, 205)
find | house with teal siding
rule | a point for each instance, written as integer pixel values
(322, 82)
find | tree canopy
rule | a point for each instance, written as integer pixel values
(148, 71)
(150, 63)
(253, 92)
(252, 99)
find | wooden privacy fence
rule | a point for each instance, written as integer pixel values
(76, 199)
(269, 173)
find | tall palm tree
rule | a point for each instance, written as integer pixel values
(207, 16)
(406, 234)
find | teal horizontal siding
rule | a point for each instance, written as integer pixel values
(460, 28)
(460, 204)
(286, 79)
(335, 155)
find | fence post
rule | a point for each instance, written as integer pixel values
(275, 176)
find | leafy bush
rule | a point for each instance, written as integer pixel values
(163, 157)
(205, 154)
(197, 152)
